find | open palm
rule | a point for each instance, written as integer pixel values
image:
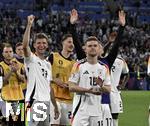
(122, 17)
(73, 16)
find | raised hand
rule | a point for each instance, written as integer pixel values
(31, 19)
(112, 36)
(122, 18)
(73, 16)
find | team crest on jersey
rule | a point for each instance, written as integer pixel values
(60, 62)
(100, 73)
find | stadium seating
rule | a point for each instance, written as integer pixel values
(95, 10)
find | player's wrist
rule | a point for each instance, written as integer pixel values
(29, 25)
(88, 90)
(122, 24)
(72, 22)
(101, 89)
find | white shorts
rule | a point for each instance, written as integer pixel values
(116, 105)
(81, 119)
(106, 115)
(65, 114)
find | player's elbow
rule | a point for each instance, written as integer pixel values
(71, 89)
(24, 44)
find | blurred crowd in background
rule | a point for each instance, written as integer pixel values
(135, 44)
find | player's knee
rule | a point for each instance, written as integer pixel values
(115, 115)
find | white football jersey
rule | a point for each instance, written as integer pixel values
(38, 78)
(117, 69)
(148, 69)
(84, 75)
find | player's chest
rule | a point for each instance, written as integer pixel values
(92, 72)
(62, 64)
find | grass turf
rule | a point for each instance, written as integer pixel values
(136, 105)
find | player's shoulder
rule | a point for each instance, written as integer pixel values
(54, 53)
(1, 63)
(51, 55)
(103, 64)
(80, 62)
(59, 55)
(1, 67)
(4, 65)
(48, 64)
(15, 60)
(120, 58)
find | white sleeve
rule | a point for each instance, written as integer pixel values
(125, 68)
(107, 78)
(50, 72)
(29, 59)
(75, 74)
(74, 77)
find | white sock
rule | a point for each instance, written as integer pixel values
(115, 122)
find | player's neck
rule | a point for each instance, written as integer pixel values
(7, 61)
(41, 56)
(92, 60)
(19, 56)
(65, 54)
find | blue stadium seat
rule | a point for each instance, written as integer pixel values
(23, 14)
(91, 3)
(95, 16)
(91, 6)
(144, 19)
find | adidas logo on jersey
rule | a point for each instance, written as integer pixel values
(86, 72)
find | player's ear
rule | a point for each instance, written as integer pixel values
(85, 48)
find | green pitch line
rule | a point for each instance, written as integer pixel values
(136, 105)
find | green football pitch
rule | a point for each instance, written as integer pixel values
(136, 105)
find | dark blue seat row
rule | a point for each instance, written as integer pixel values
(95, 16)
(145, 19)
